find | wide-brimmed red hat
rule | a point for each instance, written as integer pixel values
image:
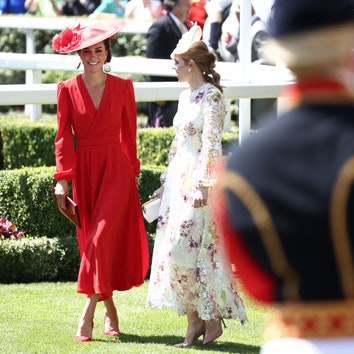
(77, 37)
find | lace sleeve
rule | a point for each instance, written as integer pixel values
(214, 112)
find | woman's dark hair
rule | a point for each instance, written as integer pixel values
(107, 45)
(205, 60)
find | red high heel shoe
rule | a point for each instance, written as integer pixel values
(208, 338)
(195, 338)
(111, 332)
(84, 338)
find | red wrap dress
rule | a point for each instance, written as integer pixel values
(96, 150)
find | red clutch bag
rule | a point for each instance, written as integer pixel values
(71, 211)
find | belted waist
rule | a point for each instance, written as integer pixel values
(103, 140)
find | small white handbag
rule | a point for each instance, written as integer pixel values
(151, 209)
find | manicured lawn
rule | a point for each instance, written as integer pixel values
(42, 318)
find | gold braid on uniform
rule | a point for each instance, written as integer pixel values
(339, 227)
(267, 230)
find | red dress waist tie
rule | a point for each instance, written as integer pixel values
(92, 141)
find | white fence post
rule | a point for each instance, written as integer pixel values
(245, 62)
(32, 77)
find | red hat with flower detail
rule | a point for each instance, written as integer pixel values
(77, 37)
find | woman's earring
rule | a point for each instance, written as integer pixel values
(106, 67)
(189, 70)
(78, 65)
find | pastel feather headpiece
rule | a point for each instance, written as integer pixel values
(193, 35)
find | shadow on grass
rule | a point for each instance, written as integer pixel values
(218, 345)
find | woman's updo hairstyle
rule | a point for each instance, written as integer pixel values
(205, 60)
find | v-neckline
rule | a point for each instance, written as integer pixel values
(89, 98)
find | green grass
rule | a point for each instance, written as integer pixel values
(43, 317)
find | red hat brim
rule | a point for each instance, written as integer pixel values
(77, 37)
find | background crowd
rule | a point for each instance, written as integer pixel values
(219, 19)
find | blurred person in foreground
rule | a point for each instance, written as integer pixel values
(96, 150)
(287, 192)
(162, 38)
(189, 273)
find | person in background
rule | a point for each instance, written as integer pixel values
(162, 37)
(259, 34)
(62, 8)
(13, 7)
(217, 12)
(3, 4)
(95, 148)
(109, 10)
(229, 51)
(143, 10)
(43, 8)
(287, 193)
(188, 273)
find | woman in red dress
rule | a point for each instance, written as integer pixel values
(96, 149)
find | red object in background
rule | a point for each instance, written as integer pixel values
(197, 13)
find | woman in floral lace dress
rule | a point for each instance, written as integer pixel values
(188, 272)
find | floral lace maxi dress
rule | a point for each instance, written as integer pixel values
(188, 272)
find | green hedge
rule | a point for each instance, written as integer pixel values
(26, 143)
(38, 259)
(153, 145)
(26, 199)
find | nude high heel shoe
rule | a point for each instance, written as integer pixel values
(84, 338)
(210, 337)
(110, 331)
(200, 332)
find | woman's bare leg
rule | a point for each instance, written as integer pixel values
(86, 322)
(111, 323)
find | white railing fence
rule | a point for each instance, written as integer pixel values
(242, 81)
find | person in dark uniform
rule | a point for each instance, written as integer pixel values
(162, 38)
(287, 193)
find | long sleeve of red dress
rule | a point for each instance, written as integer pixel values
(64, 142)
(128, 134)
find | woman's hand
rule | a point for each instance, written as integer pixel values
(61, 191)
(158, 193)
(200, 198)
